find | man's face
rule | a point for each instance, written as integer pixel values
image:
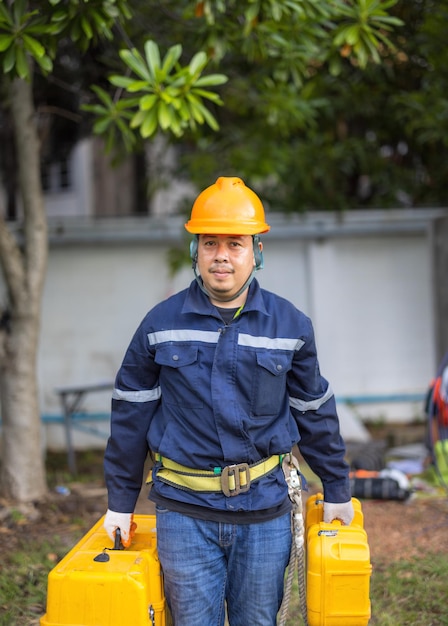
(224, 263)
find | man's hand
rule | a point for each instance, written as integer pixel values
(123, 521)
(342, 511)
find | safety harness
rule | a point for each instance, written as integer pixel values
(297, 560)
(230, 480)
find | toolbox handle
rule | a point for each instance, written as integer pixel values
(118, 545)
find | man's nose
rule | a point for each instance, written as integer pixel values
(222, 252)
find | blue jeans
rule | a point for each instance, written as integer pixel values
(208, 565)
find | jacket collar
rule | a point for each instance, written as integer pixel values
(197, 302)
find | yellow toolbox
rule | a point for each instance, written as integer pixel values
(96, 585)
(338, 568)
(315, 511)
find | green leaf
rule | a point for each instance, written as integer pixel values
(181, 79)
(209, 95)
(98, 109)
(352, 34)
(149, 126)
(33, 46)
(127, 103)
(45, 63)
(98, 19)
(166, 97)
(208, 117)
(135, 62)
(103, 95)
(75, 31)
(59, 16)
(5, 16)
(171, 58)
(139, 85)
(130, 84)
(152, 56)
(211, 79)
(173, 93)
(184, 111)
(22, 66)
(9, 60)
(147, 102)
(121, 124)
(101, 125)
(342, 36)
(121, 81)
(5, 42)
(86, 28)
(164, 115)
(195, 111)
(335, 66)
(198, 62)
(128, 137)
(138, 119)
(176, 127)
(18, 10)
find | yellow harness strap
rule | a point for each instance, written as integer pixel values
(231, 480)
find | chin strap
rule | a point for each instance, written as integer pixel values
(236, 295)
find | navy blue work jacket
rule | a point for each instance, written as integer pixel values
(206, 395)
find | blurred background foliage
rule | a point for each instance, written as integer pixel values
(327, 105)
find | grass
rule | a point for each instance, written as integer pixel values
(407, 592)
(404, 593)
(411, 592)
(23, 581)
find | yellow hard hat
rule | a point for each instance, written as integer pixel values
(227, 208)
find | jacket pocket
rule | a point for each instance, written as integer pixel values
(270, 382)
(179, 375)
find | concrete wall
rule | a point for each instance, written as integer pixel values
(440, 283)
(366, 282)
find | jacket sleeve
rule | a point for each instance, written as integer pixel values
(313, 406)
(134, 401)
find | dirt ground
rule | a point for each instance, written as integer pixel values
(396, 530)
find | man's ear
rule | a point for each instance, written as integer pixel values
(258, 253)
(194, 250)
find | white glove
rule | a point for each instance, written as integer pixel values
(343, 511)
(123, 521)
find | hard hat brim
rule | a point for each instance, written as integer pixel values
(211, 227)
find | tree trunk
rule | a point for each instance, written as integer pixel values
(24, 267)
(23, 471)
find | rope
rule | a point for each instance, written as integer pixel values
(297, 555)
(288, 585)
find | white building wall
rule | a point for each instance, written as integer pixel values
(94, 299)
(373, 315)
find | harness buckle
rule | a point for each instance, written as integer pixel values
(235, 479)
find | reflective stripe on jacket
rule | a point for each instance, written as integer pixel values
(207, 395)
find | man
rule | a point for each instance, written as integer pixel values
(220, 381)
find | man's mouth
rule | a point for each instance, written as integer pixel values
(218, 272)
